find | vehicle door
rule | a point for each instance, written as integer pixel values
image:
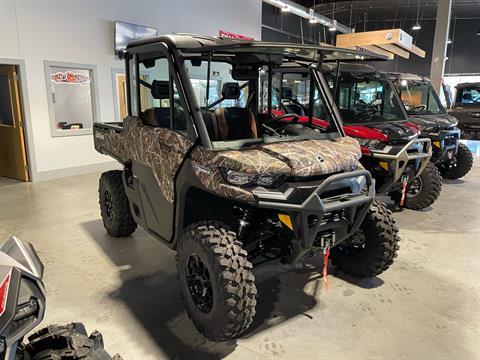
(158, 134)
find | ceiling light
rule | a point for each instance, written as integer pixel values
(285, 8)
(333, 26)
(417, 26)
(478, 32)
(312, 21)
(449, 41)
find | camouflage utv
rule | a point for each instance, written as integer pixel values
(213, 174)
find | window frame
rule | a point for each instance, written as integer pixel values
(175, 82)
(94, 95)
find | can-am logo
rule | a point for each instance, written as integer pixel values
(69, 77)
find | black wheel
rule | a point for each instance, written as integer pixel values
(372, 249)
(216, 280)
(424, 190)
(114, 206)
(66, 342)
(460, 165)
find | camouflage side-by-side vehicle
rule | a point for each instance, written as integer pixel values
(424, 108)
(213, 174)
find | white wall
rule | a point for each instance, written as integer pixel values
(82, 32)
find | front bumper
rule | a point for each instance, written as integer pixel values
(316, 210)
(410, 159)
(444, 143)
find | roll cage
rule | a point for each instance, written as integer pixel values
(242, 55)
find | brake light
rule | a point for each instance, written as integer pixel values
(4, 293)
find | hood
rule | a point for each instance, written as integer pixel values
(393, 132)
(431, 123)
(316, 157)
(295, 158)
(365, 132)
(467, 107)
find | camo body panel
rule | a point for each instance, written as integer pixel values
(299, 158)
(213, 181)
(317, 157)
(162, 150)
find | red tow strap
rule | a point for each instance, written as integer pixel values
(404, 190)
(326, 254)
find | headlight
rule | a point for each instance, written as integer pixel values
(368, 142)
(239, 178)
(243, 179)
(266, 180)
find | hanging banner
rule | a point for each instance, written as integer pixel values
(230, 35)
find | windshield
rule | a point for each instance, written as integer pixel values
(365, 98)
(419, 97)
(469, 95)
(247, 103)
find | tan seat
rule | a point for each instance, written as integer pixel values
(232, 123)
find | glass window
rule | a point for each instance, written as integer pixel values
(364, 98)
(419, 97)
(6, 115)
(72, 98)
(132, 67)
(469, 95)
(220, 73)
(157, 90)
(291, 94)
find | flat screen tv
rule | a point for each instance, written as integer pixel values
(125, 33)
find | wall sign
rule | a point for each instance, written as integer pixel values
(230, 35)
(69, 77)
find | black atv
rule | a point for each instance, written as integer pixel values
(211, 172)
(466, 109)
(424, 108)
(372, 112)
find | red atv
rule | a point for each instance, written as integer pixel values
(371, 110)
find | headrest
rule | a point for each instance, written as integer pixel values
(287, 93)
(230, 90)
(160, 89)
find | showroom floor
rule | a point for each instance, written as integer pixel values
(426, 306)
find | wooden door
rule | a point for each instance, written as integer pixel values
(13, 156)
(122, 95)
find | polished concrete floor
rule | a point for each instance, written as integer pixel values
(425, 307)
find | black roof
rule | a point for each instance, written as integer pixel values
(467, 85)
(192, 43)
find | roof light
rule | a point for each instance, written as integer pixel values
(478, 32)
(286, 8)
(333, 26)
(404, 83)
(312, 21)
(417, 26)
(449, 41)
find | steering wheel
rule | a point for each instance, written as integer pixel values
(418, 108)
(364, 108)
(283, 118)
(286, 119)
